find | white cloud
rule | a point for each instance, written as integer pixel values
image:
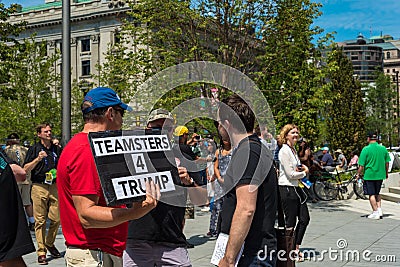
(349, 17)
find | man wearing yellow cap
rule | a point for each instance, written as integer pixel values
(184, 147)
(181, 131)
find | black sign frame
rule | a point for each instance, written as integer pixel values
(121, 165)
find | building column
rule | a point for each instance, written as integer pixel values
(74, 60)
(95, 50)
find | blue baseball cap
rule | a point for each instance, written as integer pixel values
(102, 97)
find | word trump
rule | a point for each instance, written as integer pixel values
(130, 144)
(135, 186)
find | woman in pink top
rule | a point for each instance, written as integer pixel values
(354, 158)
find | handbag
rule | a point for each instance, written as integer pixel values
(285, 239)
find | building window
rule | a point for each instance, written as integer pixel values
(117, 37)
(387, 55)
(85, 67)
(85, 45)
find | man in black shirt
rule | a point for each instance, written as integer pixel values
(15, 239)
(157, 238)
(250, 205)
(41, 160)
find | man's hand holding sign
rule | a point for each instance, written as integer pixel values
(152, 197)
(93, 216)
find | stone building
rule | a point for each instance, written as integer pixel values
(94, 24)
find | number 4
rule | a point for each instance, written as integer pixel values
(139, 162)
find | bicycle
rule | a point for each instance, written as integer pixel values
(327, 185)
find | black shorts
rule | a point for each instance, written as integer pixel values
(372, 187)
(15, 238)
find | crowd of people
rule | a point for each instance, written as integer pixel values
(239, 181)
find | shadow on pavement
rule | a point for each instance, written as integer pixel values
(199, 239)
(328, 206)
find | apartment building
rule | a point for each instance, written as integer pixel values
(367, 54)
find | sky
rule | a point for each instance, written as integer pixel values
(347, 18)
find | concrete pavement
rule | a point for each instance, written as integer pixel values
(339, 234)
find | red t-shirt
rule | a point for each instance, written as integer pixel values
(77, 175)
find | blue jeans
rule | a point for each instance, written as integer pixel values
(256, 261)
(203, 175)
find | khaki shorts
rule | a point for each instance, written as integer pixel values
(25, 191)
(76, 257)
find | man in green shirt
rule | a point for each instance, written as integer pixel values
(374, 162)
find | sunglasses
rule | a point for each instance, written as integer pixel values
(120, 110)
(165, 128)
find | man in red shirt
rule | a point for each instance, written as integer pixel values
(94, 233)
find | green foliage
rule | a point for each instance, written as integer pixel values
(8, 46)
(289, 75)
(78, 90)
(344, 113)
(381, 108)
(270, 41)
(35, 91)
(166, 33)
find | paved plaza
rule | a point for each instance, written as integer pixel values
(339, 234)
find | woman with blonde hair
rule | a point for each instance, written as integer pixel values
(293, 197)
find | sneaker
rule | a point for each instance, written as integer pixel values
(205, 209)
(212, 234)
(380, 213)
(42, 260)
(54, 251)
(31, 227)
(374, 216)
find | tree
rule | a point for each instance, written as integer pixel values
(380, 108)
(8, 45)
(35, 94)
(344, 113)
(290, 76)
(270, 41)
(167, 33)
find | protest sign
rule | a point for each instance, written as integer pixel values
(125, 160)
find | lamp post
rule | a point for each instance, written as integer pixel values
(66, 72)
(397, 107)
